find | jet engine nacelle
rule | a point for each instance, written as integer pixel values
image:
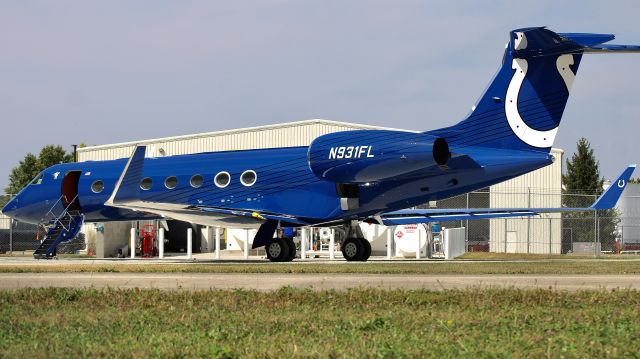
(373, 155)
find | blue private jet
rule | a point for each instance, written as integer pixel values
(342, 178)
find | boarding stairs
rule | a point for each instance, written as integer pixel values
(62, 227)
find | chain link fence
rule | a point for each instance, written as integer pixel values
(584, 232)
(589, 232)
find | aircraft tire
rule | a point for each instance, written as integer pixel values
(352, 249)
(277, 250)
(292, 249)
(367, 249)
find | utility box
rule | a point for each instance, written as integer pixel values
(453, 242)
(590, 248)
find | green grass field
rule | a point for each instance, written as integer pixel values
(578, 266)
(38, 323)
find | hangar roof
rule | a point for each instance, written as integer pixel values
(243, 130)
(290, 134)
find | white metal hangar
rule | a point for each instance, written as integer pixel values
(109, 238)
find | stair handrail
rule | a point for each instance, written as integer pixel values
(57, 218)
(50, 212)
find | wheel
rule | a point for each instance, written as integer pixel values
(277, 250)
(367, 249)
(352, 249)
(292, 249)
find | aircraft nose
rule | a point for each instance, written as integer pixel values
(10, 208)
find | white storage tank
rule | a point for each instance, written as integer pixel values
(409, 238)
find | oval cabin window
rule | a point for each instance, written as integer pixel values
(97, 186)
(222, 179)
(146, 184)
(196, 181)
(171, 182)
(248, 178)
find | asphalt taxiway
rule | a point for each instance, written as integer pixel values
(272, 281)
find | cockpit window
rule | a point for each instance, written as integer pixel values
(38, 179)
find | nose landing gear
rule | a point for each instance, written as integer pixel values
(356, 249)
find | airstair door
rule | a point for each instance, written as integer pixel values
(69, 190)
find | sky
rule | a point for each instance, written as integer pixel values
(100, 72)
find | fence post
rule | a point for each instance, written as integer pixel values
(133, 242)
(332, 244)
(505, 235)
(466, 229)
(10, 235)
(161, 243)
(217, 256)
(189, 243)
(389, 244)
(550, 241)
(303, 243)
(621, 239)
(595, 234)
(246, 246)
(529, 221)
(598, 230)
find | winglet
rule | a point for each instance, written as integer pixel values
(127, 185)
(610, 197)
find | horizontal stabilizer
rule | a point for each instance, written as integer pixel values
(586, 39)
(413, 216)
(603, 49)
(540, 41)
(593, 43)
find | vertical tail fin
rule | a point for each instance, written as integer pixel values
(522, 107)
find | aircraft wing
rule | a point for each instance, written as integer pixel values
(413, 216)
(125, 195)
(207, 215)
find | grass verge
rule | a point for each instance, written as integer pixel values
(456, 267)
(38, 323)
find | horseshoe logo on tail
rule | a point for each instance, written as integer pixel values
(532, 137)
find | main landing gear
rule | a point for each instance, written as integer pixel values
(354, 246)
(281, 250)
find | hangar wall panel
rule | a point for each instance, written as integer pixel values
(5, 221)
(629, 209)
(540, 234)
(292, 134)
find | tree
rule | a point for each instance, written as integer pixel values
(22, 174)
(52, 155)
(582, 183)
(31, 165)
